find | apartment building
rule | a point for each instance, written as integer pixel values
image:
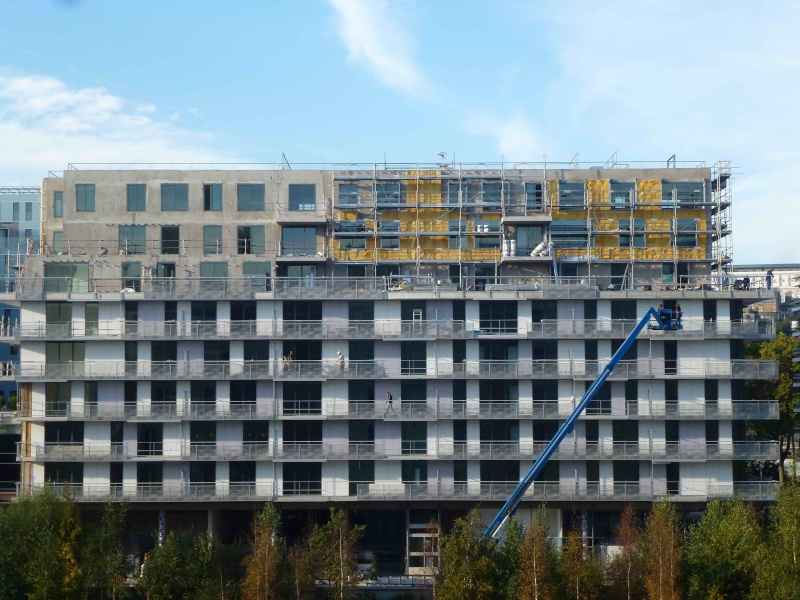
(400, 340)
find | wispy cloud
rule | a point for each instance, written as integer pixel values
(45, 124)
(376, 40)
(516, 136)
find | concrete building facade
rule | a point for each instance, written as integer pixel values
(401, 340)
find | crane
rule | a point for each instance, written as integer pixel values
(665, 319)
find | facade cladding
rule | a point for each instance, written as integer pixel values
(181, 336)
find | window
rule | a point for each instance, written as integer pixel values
(348, 193)
(389, 193)
(250, 196)
(392, 243)
(15, 211)
(303, 196)
(300, 241)
(213, 269)
(686, 194)
(84, 197)
(452, 192)
(212, 239)
(458, 226)
(132, 276)
(637, 240)
(132, 239)
(456, 242)
(28, 234)
(58, 204)
(534, 199)
(174, 196)
(570, 195)
(490, 242)
(622, 195)
(58, 245)
(569, 234)
(137, 197)
(390, 226)
(66, 277)
(212, 197)
(686, 233)
(667, 273)
(170, 239)
(528, 238)
(493, 193)
(259, 274)
(243, 392)
(352, 244)
(29, 211)
(250, 240)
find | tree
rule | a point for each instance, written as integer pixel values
(582, 571)
(466, 564)
(537, 576)
(263, 566)
(781, 349)
(661, 552)
(213, 569)
(302, 564)
(164, 574)
(507, 558)
(721, 551)
(625, 571)
(778, 574)
(105, 563)
(339, 561)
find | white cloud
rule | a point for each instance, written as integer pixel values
(45, 124)
(516, 137)
(375, 39)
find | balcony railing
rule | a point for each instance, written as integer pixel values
(223, 330)
(395, 368)
(620, 329)
(288, 491)
(394, 449)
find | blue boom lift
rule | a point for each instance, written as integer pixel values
(664, 320)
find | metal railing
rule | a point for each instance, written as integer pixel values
(287, 491)
(441, 449)
(606, 328)
(214, 330)
(34, 287)
(395, 368)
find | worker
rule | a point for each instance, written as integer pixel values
(678, 313)
(769, 279)
(388, 405)
(340, 358)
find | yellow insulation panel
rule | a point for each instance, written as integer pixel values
(648, 191)
(599, 193)
(429, 190)
(552, 192)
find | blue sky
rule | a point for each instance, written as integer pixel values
(353, 80)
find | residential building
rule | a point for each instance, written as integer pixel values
(181, 336)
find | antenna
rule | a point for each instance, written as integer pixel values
(285, 162)
(442, 160)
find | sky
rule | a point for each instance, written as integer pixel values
(323, 81)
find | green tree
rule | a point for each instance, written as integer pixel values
(105, 563)
(778, 574)
(538, 572)
(625, 572)
(507, 558)
(264, 564)
(722, 550)
(466, 565)
(338, 561)
(213, 569)
(781, 349)
(164, 575)
(583, 573)
(661, 552)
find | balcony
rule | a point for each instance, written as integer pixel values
(132, 450)
(620, 329)
(147, 411)
(247, 330)
(395, 368)
(323, 492)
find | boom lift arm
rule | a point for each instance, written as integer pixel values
(663, 320)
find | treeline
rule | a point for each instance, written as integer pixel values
(732, 553)
(46, 553)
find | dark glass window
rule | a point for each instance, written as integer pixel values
(303, 196)
(84, 197)
(170, 239)
(250, 196)
(212, 197)
(175, 196)
(137, 193)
